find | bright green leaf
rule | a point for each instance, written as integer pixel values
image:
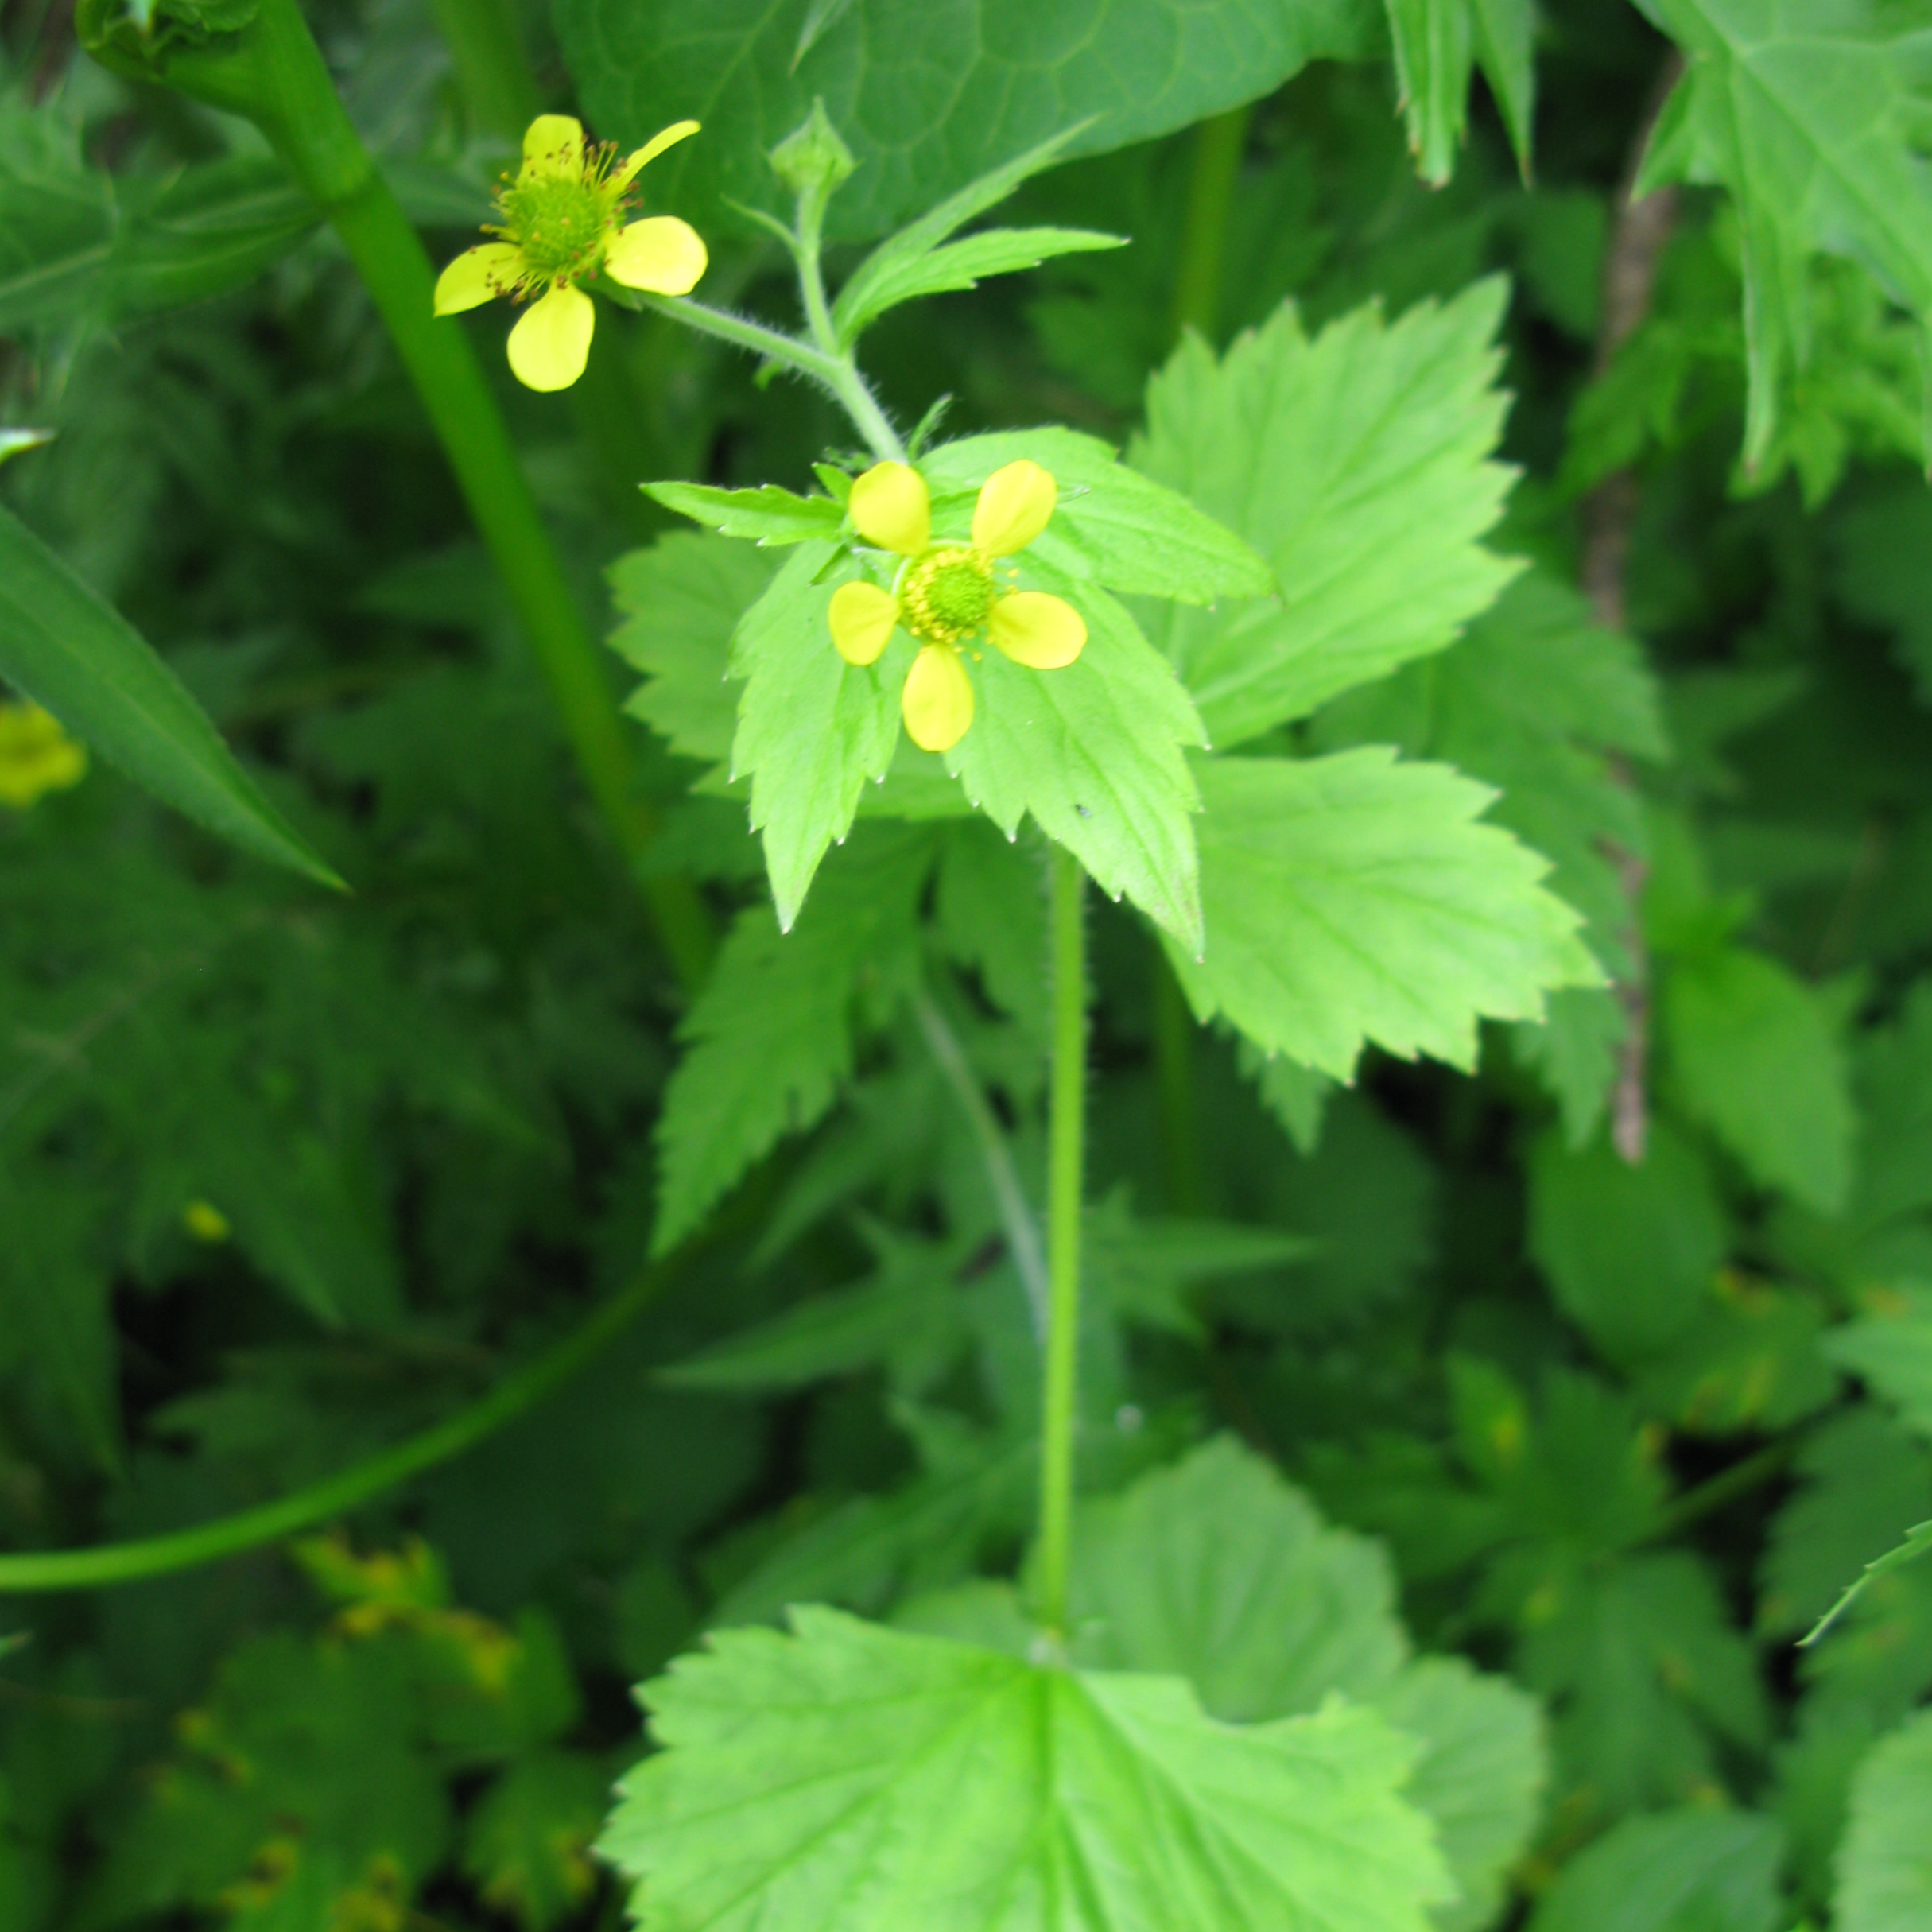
(1094, 752)
(1351, 898)
(1917, 1543)
(1112, 523)
(889, 1780)
(960, 265)
(1217, 1571)
(812, 729)
(1359, 466)
(771, 1036)
(767, 515)
(74, 654)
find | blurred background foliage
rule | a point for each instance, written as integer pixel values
(284, 1179)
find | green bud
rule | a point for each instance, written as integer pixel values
(812, 159)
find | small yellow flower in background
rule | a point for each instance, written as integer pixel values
(947, 593)
(564, 222)
(36, 756)
(206, 1222)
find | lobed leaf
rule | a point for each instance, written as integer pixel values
(1436, 43)
(1351, 898)
(960, 265)
(888, 1780)
(767, 515)
(1359, 466)
(929, 99)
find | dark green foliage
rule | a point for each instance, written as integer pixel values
(1400, 1384)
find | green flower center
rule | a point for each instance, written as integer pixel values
(560, 223)
(947, 593)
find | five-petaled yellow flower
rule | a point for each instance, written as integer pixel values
(947, 592)
(36, 756)
(564, 221)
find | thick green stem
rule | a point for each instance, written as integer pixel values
(1219, 146)
(1065, 1156)
(156, 1556)
(832, 371)
(272, 72)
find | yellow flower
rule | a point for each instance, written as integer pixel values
(947, 592)
(563, 222)
(36, 756)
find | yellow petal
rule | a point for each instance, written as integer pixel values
(553, 144)
(474, 276)
(1013, 506)
(661, 255)
(550, 346)
(1043, 633)
(677, 131)
(938, 699)
(890, 507)
(862, 618)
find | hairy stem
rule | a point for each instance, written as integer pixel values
(158, 1556)
(1065, 1155)
(272, 73)
(1015, 1215)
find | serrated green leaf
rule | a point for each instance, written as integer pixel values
(1534, 699)
(1860, 1479)
(894, 1780)
(1112, 524)
(526, 1844)
(1436, 44)
(1480, 1776)
(76, 656)
(1358, 465)
(771, 1036)
(960, 265)
(1755, 1055)
(1700, 1869)
(1631, 1250)
(79, 245)
(1813, 117)
(682, 599)
(1297, 1096)
(1217, 1571)
(766, 516)
(1917, 1543)
(1884, 1865)
(1643, 1670)
(1094, 752)
(930, 100)
(812, 729)
(1890, 1346)
(1351, 898)
(1143, 1269)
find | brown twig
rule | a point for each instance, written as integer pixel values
(1636, 247)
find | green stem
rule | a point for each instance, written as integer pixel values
(272, 72)
(1015, 1215)
(1219, 146)
(1065, 1155)
(156, 1556)
(832, 371)
(1724, 1487)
